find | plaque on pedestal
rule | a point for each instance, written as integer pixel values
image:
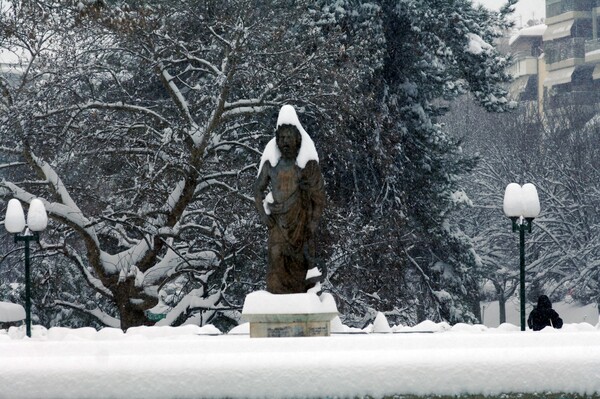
(289, 315)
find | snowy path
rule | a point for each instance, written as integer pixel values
(194, 366)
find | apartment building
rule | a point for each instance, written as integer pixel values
(562, 57)
(529, 68)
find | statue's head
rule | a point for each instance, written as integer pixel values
(288, 139)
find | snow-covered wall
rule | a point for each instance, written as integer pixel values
(184, 362)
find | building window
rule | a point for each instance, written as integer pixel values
(557, 7)
(582, 28)
(564, 49)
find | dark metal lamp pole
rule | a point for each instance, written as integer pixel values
(522, 225)
(37, 220)
(521, 205)
(26, 237)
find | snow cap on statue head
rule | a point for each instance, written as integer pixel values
(308, 151)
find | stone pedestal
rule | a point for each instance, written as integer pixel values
(291, 315)
(290, 325)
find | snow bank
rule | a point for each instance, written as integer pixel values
(381, 325)
(180, 363)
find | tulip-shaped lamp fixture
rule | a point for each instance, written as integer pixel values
(37, 220)
(521, 205)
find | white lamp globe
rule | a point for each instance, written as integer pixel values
(15, 218)
(37, 219)
(531, 201)
(513, 201)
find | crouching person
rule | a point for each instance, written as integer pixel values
(543, 315)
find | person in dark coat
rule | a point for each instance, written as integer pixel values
(543, 315)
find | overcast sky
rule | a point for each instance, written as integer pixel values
(524, 10)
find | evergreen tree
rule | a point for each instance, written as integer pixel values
(412, 261)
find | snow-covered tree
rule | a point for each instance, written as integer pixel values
(398, 179)
(566, 243)
(504, 147)
(137, 123)
(559, 155)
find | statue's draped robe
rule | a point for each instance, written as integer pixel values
(299, 199)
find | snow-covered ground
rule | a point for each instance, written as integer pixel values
(192, 362)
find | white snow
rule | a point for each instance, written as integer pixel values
(315, 289)
(531, 201)
(15, 217)
(530, 31)
(11, 312)
(513, 204)
(187, 362)
(521, 200)
(192, 300)
(263, 302)
(268, 200)
(381, 325)
(37, 219)
(314, 272)
(123, 260)
(476, 44)
(308, 151)
(424, 326)
(271, 153)
(337, 327)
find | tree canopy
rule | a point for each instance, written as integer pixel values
(139, 124)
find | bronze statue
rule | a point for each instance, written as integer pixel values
(292, 209)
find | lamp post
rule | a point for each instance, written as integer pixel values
(521, 205)
(37, 220)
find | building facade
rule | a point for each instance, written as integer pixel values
(562, 57)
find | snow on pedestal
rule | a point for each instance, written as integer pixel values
(11, 312)
(289, 315)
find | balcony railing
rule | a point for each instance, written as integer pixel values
(592, 45)
(592, 51)
(564, 49)
(559, 7)
(524, 66)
